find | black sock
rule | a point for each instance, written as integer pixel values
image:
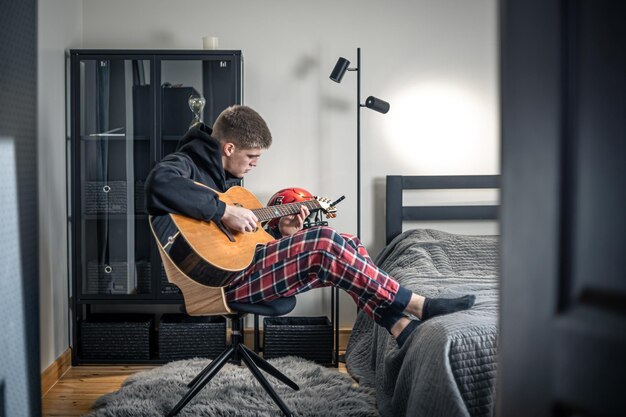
(438, 306)
(406, 332)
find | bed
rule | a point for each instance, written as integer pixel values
(447, 367)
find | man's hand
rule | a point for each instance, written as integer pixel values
(240, 219)
(289, 225)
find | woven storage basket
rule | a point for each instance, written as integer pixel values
(105, 197)
(144, 278)
(140, 200)
(166, 286)
(109, 278)
(116, 336)
(183, 337)
(308, 337)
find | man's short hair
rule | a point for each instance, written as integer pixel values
(242, 126)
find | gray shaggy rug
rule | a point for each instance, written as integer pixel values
(234, 392)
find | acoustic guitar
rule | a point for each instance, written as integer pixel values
(213, 254)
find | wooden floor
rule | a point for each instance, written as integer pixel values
(82, 385)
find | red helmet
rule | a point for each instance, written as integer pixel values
(286, 196)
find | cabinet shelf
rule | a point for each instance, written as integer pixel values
(110, 216)
(127, 300)
(172, 138)
(116, 138)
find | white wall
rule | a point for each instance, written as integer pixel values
(434, 61)
(59, 27)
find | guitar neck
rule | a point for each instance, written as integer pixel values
(272, 212)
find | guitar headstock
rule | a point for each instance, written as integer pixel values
(327, 207)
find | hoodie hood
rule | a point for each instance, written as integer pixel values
(197, 131)
(205, 151)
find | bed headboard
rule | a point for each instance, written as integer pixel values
(397, 213)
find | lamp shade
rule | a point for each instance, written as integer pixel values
(374, 103)
(340, 68)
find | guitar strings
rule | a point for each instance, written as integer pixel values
(268, 213)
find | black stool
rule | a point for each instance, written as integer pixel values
(237, 351)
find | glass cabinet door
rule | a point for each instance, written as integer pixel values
(192, 90)
(114, 157)
(212, 80)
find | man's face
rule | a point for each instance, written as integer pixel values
(240, 161)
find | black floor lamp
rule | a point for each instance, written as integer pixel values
(373, 103)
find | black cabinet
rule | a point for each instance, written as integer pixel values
(128, 109)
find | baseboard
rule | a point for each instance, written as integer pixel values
(55, 371)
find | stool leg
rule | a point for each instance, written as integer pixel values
(193, 391)
(270, 369)
(215, 362)
(264, 382)
(236, 336)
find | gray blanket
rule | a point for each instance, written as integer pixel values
(447, 367)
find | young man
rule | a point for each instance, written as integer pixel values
(301, 259)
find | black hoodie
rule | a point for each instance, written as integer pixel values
(171, 185)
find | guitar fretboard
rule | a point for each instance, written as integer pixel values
(272, 212)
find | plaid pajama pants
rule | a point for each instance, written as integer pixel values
(320, 257)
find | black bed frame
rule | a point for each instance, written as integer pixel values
(396, 213)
